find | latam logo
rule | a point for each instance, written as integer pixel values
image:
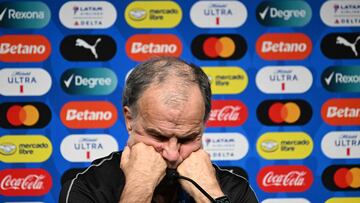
(153, 14)
(227, 113)
(284, 13)
(88, 48)
(284, 79)
(341, 111)
(26, 14)
(218, 14)
(347, 45)
(225, 146)
(88, 114)
(25, 182)
(341, 79)
(341, 13)
(86, 148)
(24, 48)
(88, 81)
(218, 47)
(286, 200)
(23, 115)
(294, 178)
(24, 148)
(284, 145)
(87, 14)
(343, 200)
(342, 177)
(24, 82)
(283, 46)
(284, 112)
(144, 46)
(341, 144)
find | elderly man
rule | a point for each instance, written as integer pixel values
(166, 103)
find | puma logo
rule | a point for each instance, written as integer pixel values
(343, 41)
(83, 43)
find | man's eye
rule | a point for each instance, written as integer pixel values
(160, 138)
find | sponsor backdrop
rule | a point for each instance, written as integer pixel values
(285, 77)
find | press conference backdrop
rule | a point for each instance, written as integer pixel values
(285, 77)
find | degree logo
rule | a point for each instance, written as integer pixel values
(341, 13)
(341, 78)
(346, 44)
(341, 144)
(342, 177)
(341, 111)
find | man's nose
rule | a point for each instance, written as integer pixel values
(171, 151)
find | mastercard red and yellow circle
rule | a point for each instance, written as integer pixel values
(26, 115)
(219, 47)
(288, 112)
(345, 177)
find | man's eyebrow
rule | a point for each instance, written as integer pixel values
(153, 131)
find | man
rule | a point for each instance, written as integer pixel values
(166, 103)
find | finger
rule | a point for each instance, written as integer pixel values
(125, 157)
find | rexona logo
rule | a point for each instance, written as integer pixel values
(225, 146)
(24, 115)
(284, 145)
(24, 148)
(227, 113)
(24, 81)
(25, 182)
(144, 46)
(341, 144)
(284, 13)
(87, 14)
(153, 14)
(86, 148)
(342, 177)
(226, 80)
(347, 45)
(218, 47)
(88, 48)
(284, 112)
(343, 200)
(88, 114)
(284, 79)
(88, 81)
(24, 48)
(341, 111)
(283, 46)
(286, 200)
(341, 79)
(294, 178)
(218, 14)
(341, 13)
(25, 14)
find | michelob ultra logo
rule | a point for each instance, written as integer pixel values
(288, 13)
(284, 145)
(218, 14)
(226, 80)
(88, 81)
(343, 200)
(153, 14)
(24, 148)
(227, 113)
(341, 13)
(341, 78)
(342, 177)
(24, 14)
(341, 144)
(144, 46)
(347, 45)
(24, 48)
(284, 79)
(283, 46)
(341, 111)
(286, 200)
(24, 81)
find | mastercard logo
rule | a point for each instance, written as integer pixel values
(342, 177)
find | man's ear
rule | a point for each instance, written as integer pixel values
(128, 118)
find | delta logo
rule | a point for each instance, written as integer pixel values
(341, 144)
(341, 112)
(346, 44)
(227, 113)
(144, 46)
(282, 178)
(342, 178)
(24, 115)
(341, 79)
(218, 47)
(88, 114)
(25, 182)
(283, 46)
(284, 79)
(24, 48)
(284, 112)
(218, 14)
(341, 13)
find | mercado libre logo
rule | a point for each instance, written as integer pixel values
(218, 47)
(341, 79)
(24, 115)
(342, 178)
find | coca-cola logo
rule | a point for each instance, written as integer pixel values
(285, 178)
(24, 182)
(227, 113)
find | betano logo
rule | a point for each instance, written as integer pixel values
(218, 14)
(144, 46)
(341, 144)
(227, 113)
(341, 79)
(226, 80)
(343, 200)
(341, 111)
(346, 44)
(283, 46)
(341, 13)
(153, 14)
(342, 177)
(218, 47)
